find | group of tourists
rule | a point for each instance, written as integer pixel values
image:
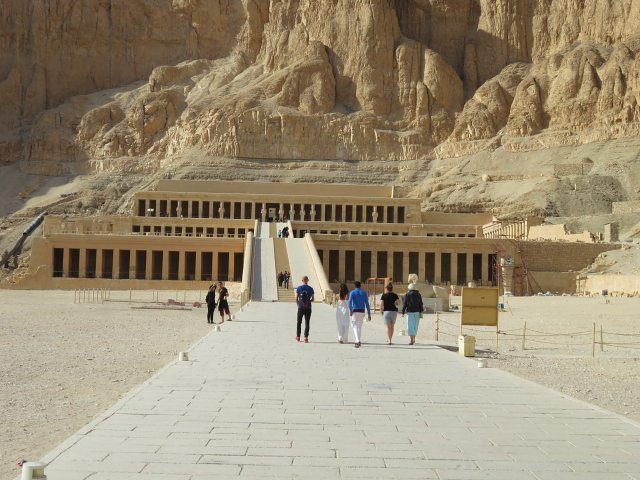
(222, 303)
(353, 306)
(283, 279)
(284, 233)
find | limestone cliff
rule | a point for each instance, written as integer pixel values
(83, 82)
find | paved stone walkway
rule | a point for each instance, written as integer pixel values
(254, 404)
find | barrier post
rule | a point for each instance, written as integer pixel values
(130, 294)
(593, 344)
(601, 339)
(437, 325)
(524, 336)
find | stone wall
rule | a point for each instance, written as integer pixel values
(632, 206)
(560, 257)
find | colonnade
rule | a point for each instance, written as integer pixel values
(191, 231)
(147, 264)
(437, 267)
(264, 211)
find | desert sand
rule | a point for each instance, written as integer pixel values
(62, 364)
(563, 362)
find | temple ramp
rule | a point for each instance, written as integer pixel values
(265, 285)
(301, 263)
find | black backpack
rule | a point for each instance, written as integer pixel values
(304, 301)
(414, 301)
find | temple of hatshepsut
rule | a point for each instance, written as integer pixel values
(185, 234)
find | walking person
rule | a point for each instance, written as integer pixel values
(280, 279)
(358, 302)
(342, 314)
(304, 298)
(223, 303)
(211, 303)
(389, 306)
(285, 279)
(412, 305)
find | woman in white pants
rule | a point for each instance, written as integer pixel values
(342, 314)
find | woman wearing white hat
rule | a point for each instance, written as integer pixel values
(412, 305)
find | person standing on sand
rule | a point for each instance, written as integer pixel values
(342, 314)
(358, 301)
(413, 306)
(223, 303)
(211, 303)
(304, 298)
(389, 309)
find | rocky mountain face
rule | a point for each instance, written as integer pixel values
(83, 82)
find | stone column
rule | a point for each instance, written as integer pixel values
(507, 267)
(116, 263)
(148, 274)
(333, 212)
(214, 266)
(357, 271)
(99, 266)
(384, 214)
(437, 268)
(374, 263)
(189, 209)
(221, 210)
(132, 263)
(198, 266)
(181, 265)
(422, 271)
(232, 266)
(469, 269)
(390, 264)
(82, 263)
(454, 268)
(165, 265)
(341, 264)
(405, 266)
(263, 214)
(485, 269)
(242, 211)
(302, 213)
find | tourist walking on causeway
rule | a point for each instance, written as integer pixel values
(342, 314)
(285, 278)
(412, 305)
(223, 303)
(358, 302)
(211, 303)
(304, 298)
(389, 308)
(280, 279)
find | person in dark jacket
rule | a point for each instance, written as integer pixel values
(413, 306)
(211, 303)
(223, 303)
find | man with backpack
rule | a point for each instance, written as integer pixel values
(304, 298)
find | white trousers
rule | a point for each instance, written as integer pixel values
(356, 323)
(342, 320)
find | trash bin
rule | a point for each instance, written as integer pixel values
(467, 345)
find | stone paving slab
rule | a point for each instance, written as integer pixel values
(253, 403)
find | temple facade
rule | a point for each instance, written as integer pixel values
(185, 234)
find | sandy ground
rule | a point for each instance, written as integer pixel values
(563, 362)
(62, 364)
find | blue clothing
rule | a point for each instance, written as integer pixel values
(306, 288)
(413, 322)
(359, 300)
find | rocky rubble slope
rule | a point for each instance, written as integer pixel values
(96, 85)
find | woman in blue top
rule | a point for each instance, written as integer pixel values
(358, 302)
